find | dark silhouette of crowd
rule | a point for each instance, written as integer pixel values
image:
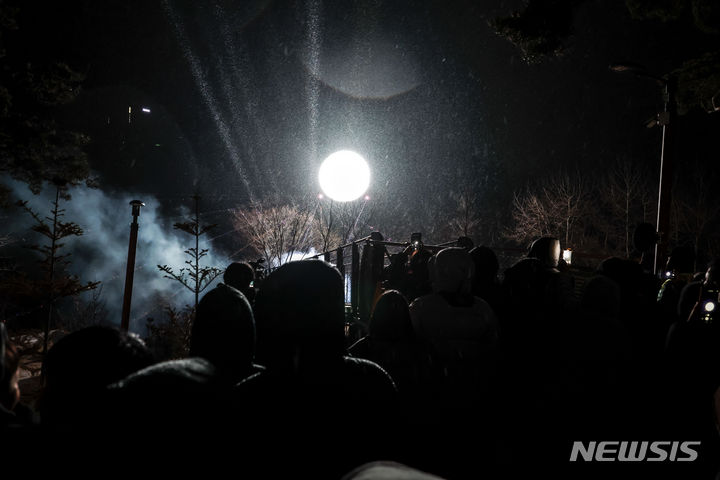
(459, 374)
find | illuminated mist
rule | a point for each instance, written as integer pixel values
(101, 253)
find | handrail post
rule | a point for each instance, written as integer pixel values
(355, 278)
(339, 261)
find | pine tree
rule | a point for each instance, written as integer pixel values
(194, 277)
(56, 283)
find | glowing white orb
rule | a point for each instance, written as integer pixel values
(709, 306)
(344, 176)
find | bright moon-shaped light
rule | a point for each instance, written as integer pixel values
(344, 176)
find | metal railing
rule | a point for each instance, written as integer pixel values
(362, 269)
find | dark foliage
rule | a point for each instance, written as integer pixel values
(34, 147)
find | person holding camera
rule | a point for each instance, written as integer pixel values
(693, 358)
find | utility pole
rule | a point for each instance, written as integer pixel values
(130, 272)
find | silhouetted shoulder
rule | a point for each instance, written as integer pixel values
(360, 349)
(371, 374)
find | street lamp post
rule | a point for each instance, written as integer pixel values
(130, 272)
(666, 119)
(666, 174)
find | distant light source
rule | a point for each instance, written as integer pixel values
(344, 176)
(145, 110)
(567, 255)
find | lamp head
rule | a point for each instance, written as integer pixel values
(136, 204)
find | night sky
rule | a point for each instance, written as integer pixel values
(247, 98)
(245, 94)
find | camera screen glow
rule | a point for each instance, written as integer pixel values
(344, 176)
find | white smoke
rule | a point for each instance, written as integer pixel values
(101, 253)
(293, 256)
